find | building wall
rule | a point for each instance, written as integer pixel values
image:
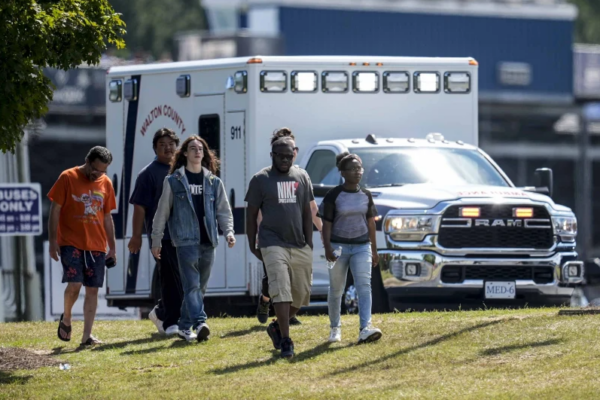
(543, 44)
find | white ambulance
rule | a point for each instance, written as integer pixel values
(451, 223)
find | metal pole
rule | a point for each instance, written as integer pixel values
(28, 274)
(585, 173)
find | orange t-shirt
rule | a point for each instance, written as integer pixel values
(84, 204)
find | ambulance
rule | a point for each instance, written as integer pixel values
(451, 224)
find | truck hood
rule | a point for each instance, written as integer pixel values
(426, 196)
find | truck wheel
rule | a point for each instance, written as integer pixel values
(350, 296)
(380, 298)
(350, 300)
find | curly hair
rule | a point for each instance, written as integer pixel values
(210, 160)
(344, 158)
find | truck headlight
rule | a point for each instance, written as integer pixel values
(565, 227)
(411, 227)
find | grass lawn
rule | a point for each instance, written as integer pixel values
(529, 353)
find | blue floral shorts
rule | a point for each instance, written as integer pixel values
(80, 266)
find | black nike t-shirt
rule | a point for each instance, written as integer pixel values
(196, 182)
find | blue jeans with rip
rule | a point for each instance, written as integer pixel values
(195, 264)
(358, 258)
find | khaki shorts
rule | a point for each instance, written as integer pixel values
(290, 274)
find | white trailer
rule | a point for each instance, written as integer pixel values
(236, 104)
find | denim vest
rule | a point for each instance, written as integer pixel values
(183, 222)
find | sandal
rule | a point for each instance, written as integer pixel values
(92, 341)
(64, 328)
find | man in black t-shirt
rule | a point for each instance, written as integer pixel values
(145, 196)
(283, 194)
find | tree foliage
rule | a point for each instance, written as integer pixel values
(153, 24)
(46, 33)
(587, 27)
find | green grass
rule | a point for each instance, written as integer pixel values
(529, 353)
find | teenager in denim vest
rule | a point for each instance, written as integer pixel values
(193, 201)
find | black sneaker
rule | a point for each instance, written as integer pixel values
(262, 310)
(294, 321)
(274, 334)
(287, 348)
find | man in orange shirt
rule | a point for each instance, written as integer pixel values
(81, 231)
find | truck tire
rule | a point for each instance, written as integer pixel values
(379, 294)
(380, 301)
(350, 297)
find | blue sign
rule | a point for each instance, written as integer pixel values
(20, 209)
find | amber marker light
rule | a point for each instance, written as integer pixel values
(352, 64)
(255, 61)
(523, 212)
(470, 212)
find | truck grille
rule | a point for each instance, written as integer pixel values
(460, 273)
(455, 235)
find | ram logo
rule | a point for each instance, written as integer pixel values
(511, 223)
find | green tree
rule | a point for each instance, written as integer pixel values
(46, 33)
(153, 24)
(587, 26)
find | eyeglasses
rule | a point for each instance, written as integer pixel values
(281, 156)
(355, 169)
(96, 171)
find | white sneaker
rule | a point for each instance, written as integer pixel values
(187, 334)
(172, 330)
(157, 322)
(369, 334)
(335, 335)
(202, 332)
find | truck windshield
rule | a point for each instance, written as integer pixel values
(397, 166)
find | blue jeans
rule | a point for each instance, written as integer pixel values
(358, 258)
(195, 264)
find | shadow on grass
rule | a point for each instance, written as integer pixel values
(506, 349)
(320, 349)
(64, 350)
(177, 343)
(155, 337)
(245, 332)
(7, 378)
(429, 343)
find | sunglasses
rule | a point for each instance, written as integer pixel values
(281, 156)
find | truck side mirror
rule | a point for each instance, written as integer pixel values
(544, 180)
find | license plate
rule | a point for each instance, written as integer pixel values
(500, 290)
